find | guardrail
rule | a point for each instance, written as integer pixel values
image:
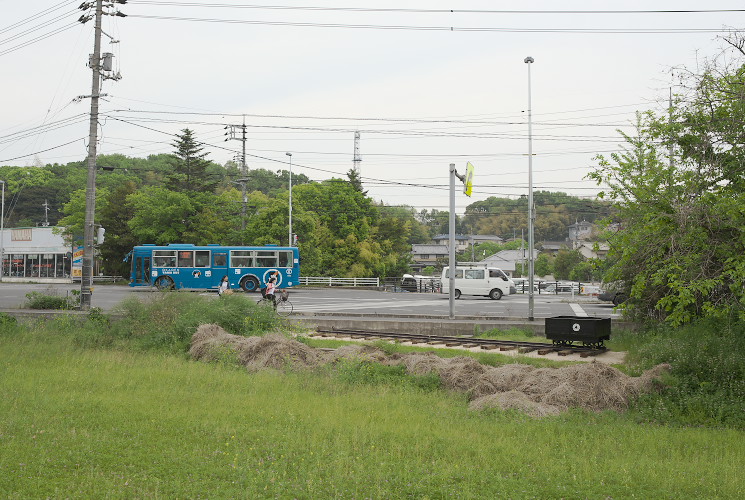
(330, 281)
(100, 279)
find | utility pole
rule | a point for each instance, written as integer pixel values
(97, 66)
(231, 133)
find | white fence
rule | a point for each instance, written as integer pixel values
(324, 281)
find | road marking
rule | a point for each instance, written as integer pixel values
(578, 311)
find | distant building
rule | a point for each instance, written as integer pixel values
(427, 255)
(461, 241)
(581, 231)
(35, 254)
(590, 250)
(506, 260)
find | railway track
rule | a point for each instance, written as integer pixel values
(467, 342)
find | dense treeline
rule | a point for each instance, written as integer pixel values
(185, 197)
(681, 249)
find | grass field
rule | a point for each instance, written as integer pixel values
(89, 423)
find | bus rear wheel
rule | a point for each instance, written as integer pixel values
(495, 294)
(164, 283)
(249, 284)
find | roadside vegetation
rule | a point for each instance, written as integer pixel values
(114, 403)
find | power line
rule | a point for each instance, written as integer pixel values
(432, 11)
(438, 28)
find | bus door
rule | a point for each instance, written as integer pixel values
(141, 264)
(220, 268)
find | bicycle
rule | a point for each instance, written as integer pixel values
(281, 303)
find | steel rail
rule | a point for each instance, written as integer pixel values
(480, 342)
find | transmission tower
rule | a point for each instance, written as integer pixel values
(357, 158)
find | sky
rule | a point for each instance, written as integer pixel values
(425, 83)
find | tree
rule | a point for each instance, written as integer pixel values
(355, 181)
(680, 248)
(190, 171)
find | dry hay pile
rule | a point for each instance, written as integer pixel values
(545, 391)
(535, 391)
(255, 353)
(359, 352)
(458, 374)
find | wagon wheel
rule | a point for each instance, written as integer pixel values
(598, 344)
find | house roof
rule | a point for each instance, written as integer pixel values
(458, 237)
(429, 249)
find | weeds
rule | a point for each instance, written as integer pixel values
(51, 300)
(707, 383)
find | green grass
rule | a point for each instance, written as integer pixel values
(91, 423)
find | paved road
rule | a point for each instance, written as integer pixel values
(353, 301)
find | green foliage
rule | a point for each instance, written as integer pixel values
(707, 382)
(554, 213)
(360, 372)
(543, 265)
(168, 320)
(39, 300)
(680, 246)
(191, 170)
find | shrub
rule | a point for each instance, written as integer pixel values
(168, 320)
(38, 300)
(707, 383)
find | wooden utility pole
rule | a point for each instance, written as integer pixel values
(86, 279)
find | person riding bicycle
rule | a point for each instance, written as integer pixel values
(271, 288)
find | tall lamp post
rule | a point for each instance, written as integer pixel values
(531, 213)
(289, 239)
(2, 235)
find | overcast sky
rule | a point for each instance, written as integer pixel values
(308, 74)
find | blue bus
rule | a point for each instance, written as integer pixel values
(188, 266)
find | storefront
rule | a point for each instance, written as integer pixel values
(35, 254)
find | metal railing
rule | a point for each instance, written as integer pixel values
(330, 281)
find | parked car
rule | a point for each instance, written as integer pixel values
(613, 292)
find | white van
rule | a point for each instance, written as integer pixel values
(490, 282)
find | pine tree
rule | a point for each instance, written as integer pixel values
(190, 166)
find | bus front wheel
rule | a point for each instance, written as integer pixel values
(164, 283)
(249, 284)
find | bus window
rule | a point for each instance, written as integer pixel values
(474, 274)
(241, 258)
(285, 259)
(164, 258)
(221, 259)
(186, 258)
(266, 259)
(202, 258)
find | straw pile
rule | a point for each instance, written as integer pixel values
(535, 391)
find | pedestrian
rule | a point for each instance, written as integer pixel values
(224, 288)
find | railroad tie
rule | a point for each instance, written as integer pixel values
(507, 348)
(489, 347)
(543, 352)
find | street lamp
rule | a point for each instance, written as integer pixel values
(531, 213)
(2, 235)
(289, 239)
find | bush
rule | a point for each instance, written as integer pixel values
(168, 320)
(707, 383)
(38, 300)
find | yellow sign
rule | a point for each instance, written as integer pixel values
(468, 181)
